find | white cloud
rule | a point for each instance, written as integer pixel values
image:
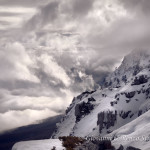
(17, 9)
(26, 110)
(15, 63)
(15, 16)
(14, 119)
(51, 67)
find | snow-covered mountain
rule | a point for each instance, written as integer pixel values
(120, 109)
(124, 98)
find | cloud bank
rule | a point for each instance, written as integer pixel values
(50, 51)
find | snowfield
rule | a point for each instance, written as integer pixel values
(135, 133)
(39, 145)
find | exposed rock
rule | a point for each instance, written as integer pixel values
(139, 113)
(106, 120)
(139, 92)
(86, 93)
(121, 148)
(95, 145)
(131, 115)
(106, 145)
(137, 69)
(124, 79)
(118, 99)
(70, 107)
(140, 80)
(147, 92)
(128, 101)
(132, 148)
(130, 94)
(88, 145)
(91, 99)
(104, 95)
(113, 103)
(124, 115)
(83, 109)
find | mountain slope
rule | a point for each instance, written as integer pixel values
(135, 133)
(124, 97)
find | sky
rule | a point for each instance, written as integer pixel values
(52, 50)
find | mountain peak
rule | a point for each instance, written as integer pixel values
(136, 56)
(131, 65)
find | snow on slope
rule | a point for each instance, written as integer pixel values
(120, 108)
(135, 133)
(39, 145)
(125, 96)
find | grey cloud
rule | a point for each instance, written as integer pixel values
(13, 119)
(49, 12)
(52, 13)
(5, 23)
(80, 51)
(46, 15)
(16, 84)
(82, 7)
(124, 35)
(102, 67)
(138, 6)
(79, 8)
(8, 14)
(24, 3)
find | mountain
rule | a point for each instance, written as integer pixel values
(120, 110)
(124, 97)
(41, 130)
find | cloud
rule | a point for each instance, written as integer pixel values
(76, 8)
(137, 6)
(51, 68)
(61, 49)
(47, 14)
(16, 64)
(27, 3)
(13, 119)
(35, 81)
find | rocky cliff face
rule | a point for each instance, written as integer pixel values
(106, 120)
(83, 109)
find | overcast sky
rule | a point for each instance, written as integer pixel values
(52, 50)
